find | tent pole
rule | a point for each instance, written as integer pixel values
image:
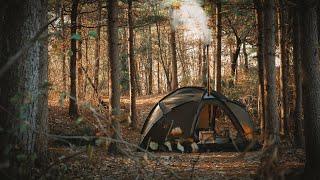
(208, 70)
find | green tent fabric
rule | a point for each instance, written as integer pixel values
(182, 109)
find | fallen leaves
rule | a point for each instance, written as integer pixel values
(95, 163)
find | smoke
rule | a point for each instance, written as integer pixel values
(189, 15)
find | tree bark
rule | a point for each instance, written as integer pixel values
(113, 52)
(235, 56)
(298, 111)
(269, 160)
(218, 58)
(42, 117)
(138, 77)
(260, 55)
(204, 67)
(87, 68)
(64, 48)
(150, 62)
(311, 87)
(80, 61)
(166, 70)
(124, 69)
(246, 63)
(97, 48)
(158, 76)
(272, 120)
(318, 12)
(284, 68)
(200, 62)
(23, 95)
(132, 70)
(182, 57)
(73, 106)
(174, 69)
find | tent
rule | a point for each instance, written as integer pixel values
(190, 113)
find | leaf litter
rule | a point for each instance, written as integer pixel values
(93, 161)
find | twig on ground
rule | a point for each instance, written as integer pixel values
(64, 159)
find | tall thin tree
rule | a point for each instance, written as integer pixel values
(284, 67)
(298, 111)
(80, 59)
(174, 68)
(132, 69)
(64, 48)
(113, 52)
(218, 47)
(269, 159)
(161, 52)
(150, 61)
(73, 106)
(173, 45)
(311, 87)
(245, 54)
(97, 48)
(272, 120)
(260, 56)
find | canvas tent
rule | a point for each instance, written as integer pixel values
(192, 109)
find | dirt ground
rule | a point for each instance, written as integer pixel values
(78, 160)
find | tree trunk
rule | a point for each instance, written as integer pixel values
(204, 67)
(158, 76)
(269, 160)
(124, 69)
(73, 107)
(138, 77)
(260, 54)
(218, 58)
(166, 70)
(87, 69)
(318, 24)
(318, 21)
(42, 117)
(298, 111)
(64, 48)
(174, 69)
(97, 48)
(200, 62)
(246, 63)
(235, 56)
(311, 88)
(132, 70)
(272, 120)
(184, 65)
(113, 52)
(150, 62)
(284, 68)
(23, 95)
(79, 60)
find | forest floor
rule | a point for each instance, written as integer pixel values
(79, 160)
